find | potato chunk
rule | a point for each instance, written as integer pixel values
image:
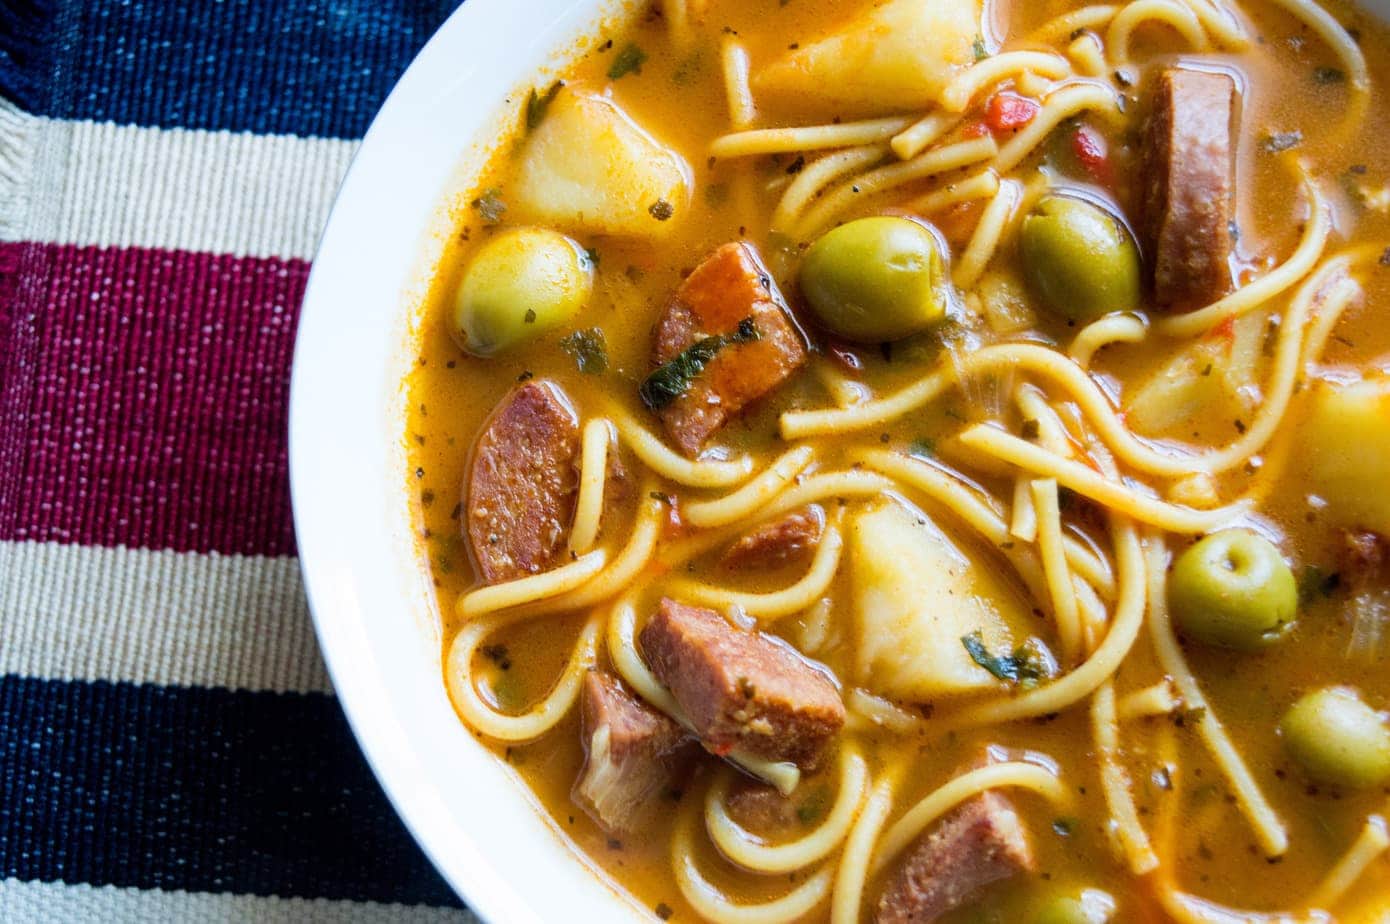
(1213, 379)
(589, 167)
(1346, 440)
(916, 594)
(896, 56)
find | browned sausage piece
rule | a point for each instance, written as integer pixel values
(730, 285)
(633, 755)
(1188, 203)
(981, 842)
(741, 689)
(521, 488)
(777, 543)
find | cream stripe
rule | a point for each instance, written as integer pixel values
(85, 904)
(71, 612)
(105, 185)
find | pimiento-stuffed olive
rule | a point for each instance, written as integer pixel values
(1234, 590)
(1079, 258)
(1337, 738)
(876, 279)
(519, 285)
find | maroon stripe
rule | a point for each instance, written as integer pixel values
(143, 397)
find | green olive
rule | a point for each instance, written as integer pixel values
(876, 279)
(521, 283)
(1079, 258)
(1337, 738)
(1090, 907)
(1234, 590)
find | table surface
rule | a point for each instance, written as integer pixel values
(170, 747)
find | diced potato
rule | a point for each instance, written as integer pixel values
(899, 55)
(1005, 302)
(915, 596)
(589, 167)
(1213, 379)
(1346, 441)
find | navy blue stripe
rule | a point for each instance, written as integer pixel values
(198, 789)
(320, 67)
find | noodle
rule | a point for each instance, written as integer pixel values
(985, 240)
(533, 587)
(1128, 832)
(1024, 522)
(853, 873)
(1268, 828)
(540, 717)
(843, 390)
(1088, 483)
(1150, 701)
(1088, 17)
(1168, 12)
(747, 850)
(1087, 56)
(742, 111)
(747, 500)
(914, 140)
(879, 712)
(766, 607)
(1219, 24)
(981, 185)
(1369, 845)
(593, 473)
(816, 176)
(960, 91)
(696, 474)
(964, 787)
(806, 138)
(1064, 611)
(1113, 328)
(938, 160)
(713, 905)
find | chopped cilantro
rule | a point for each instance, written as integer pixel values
(537, 103)
(979, 49)
(588, 349)
(664, 911)
(813, 806)
(672, 379)
(1329, 75)
(1282, 141)
(530, 316)
(490, 205)
(1314, 582)
(629, 60)
(1022, 665)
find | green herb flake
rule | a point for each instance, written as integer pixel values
(661, 210)
(588, 349)
(538, 103)
(1023, 665)
(688, 70)
(529, 317)
(490, 206)
(978, 47)
(1315, 583)
(1279, 142)
(673, 379)
(922, 448)
(1329, 75)
(629, 60)
(591, 254)
(813, 807)
(1063, 827)
(1030, 429)
(664, 911)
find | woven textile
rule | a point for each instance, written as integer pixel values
(170, 748)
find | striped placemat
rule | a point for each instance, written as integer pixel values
(170, 748)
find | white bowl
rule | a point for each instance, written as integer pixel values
(376, 619)
(377, 623)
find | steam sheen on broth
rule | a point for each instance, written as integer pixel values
(928, 460)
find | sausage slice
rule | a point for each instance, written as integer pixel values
(522, 484)
(729, 286)
(983, 841)
(1188, 203)
(632, 753)
(777, 543)
(741, 689)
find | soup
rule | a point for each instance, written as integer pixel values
(913, 461)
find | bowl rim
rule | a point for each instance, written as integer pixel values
(359, 561)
